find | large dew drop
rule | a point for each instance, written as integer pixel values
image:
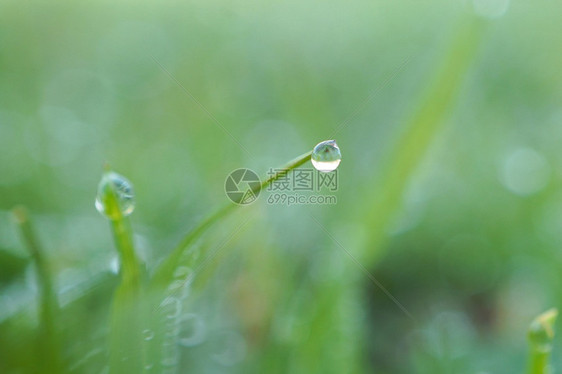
(326, 156)
(119, 186)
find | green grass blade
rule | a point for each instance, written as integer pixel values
(540, 336)
(421, 129)
(48, 344)
(127, 315)
(126, 343)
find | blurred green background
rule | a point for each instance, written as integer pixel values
(473, 253)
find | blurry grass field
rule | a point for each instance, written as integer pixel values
(445, 240)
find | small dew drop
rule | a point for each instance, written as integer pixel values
(114, 265)
(169, 354)
(182, 272)
(114, 183)
(193, 330)
(148, 334)
(171, 307)
(326, 156)
(170, 360)
(179, 289)
(176, 285)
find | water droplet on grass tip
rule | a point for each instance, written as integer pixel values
(326, 156)
(115, 196)
(541, 331)
(114, 265)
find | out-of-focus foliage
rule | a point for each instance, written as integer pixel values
(177, 95)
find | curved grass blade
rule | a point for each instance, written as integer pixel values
(164, 274)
